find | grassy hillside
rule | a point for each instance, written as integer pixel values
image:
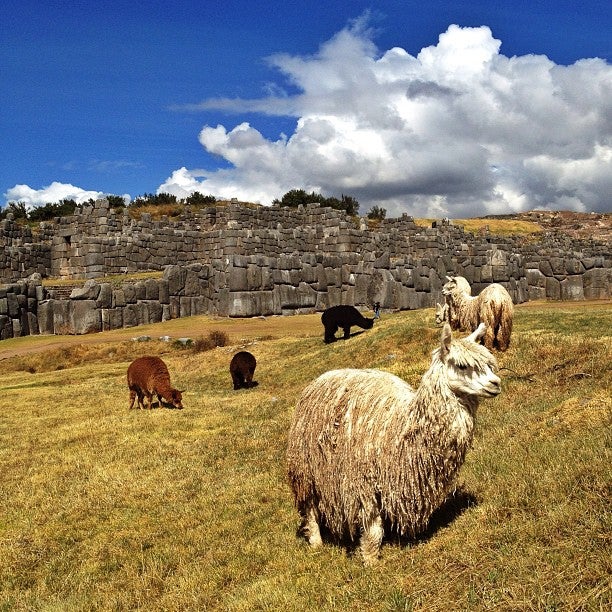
(497, 227)
(105, 508)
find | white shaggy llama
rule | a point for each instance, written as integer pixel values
(493, 307)
(365, 449)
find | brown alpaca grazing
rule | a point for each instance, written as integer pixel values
(343, 316)
(242, 369)
(148, 376)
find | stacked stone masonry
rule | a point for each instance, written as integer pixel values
(242, 261)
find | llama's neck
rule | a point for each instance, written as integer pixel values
(166, 392)
(436, 406)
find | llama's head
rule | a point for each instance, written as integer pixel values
(456, 284)
(441, 313)
(176, 398)
(470, 367)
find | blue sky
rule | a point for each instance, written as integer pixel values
(437, 108)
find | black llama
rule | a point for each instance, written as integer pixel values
(343, 316)
(242, 368)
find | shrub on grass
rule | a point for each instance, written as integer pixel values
(213, 339)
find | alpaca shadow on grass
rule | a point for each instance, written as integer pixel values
(246, 385)
(351, 335)
(456, 504)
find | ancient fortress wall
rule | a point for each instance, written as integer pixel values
(242, 261)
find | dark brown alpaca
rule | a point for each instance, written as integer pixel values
(242, 369)
(148, 376)
(343, 316)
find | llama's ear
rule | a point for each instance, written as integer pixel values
(445, 339)
(478, 333)
(449, 278)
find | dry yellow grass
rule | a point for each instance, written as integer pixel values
(109, 509)
(498, 227)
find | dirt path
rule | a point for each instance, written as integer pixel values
(190, 327)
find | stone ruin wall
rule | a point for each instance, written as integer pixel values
(240, 261)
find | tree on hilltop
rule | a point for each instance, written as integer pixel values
(295, 197)
(152, 199)
(377, 212)
(197, 199)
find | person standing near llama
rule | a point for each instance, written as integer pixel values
(377, 310)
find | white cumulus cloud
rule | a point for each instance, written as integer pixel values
(458, 130)
(50, 194)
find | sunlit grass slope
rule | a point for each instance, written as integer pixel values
(102, 508)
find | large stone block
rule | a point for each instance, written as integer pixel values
(486, 273)
(6, 327)
(129, 293)
(140, 291)
(501, 273)
(155, 311)
(571, 288)
(89, 291)
(536, 293)
(553, 288)
(85, 317)
(184, 306)
(61, 317)
(105, 297)
(192, 282)
(597, 283)
(237, 279)
(535, 278)
(45, 316)
(250, 303)
(164, 291)
(151, 289)
(573, 266)
(175, 275)
(130, 315)
(558, 265)
(12, 305)
(112, 318)
(381, 288)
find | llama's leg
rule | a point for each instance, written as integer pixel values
(330, 334)
(311, 527)
(371, 539)
(347, 332)
(489, 337)
(149, 397)
(140, 400)
(132, 398)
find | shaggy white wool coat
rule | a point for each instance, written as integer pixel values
(493, 307)
(364, 445)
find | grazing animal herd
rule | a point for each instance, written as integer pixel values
(366, 452)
